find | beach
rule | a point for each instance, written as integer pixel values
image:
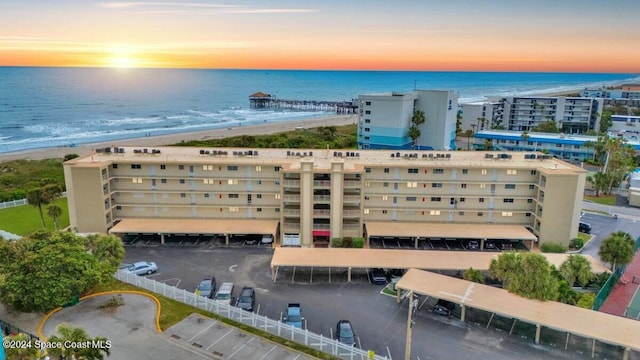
(150, 141)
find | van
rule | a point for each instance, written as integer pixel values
(224, 293)
(247, 299)
(584, 227)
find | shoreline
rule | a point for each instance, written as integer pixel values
(164, 140)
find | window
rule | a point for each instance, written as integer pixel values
(181, 181)
(507, 213)
(137, 180)
(412, 171)
(180, 167)
(366, 211)
(436, 198)
(412, 184)
(438, 171)
(276, 169)
(232, 168)
(512, 172)
(462, 199)
(258, 196)
(527, 214)
(233, 196)
(183, 195)
(367, 184)
(258, 168)
(368, 103)
(258, 182)
(411, 198)
(436, 185)
(465, 171)
(114, 166)
(507, 200)
(480, 214)
(367, 112)
(461, 213)
(367, 121)
(543, 181)
(531, 186)
(386, 170)
(118, 207)
(464, 186)
(534, 172)
(483, 185)
(510, 186)
(367, 169)
(434, 212)
(385, 184)
(233, 209)
(232, 181)
(163, 167)
(385, 211)
(481, 200)
(163, 181)
(367, 129)
(206, 195)
(385, 197)
(277, 209)
(136, 166)
(484, 172)
(259, 209)
(207, 167)
(208, 181)
(529, 201)
(277, 196)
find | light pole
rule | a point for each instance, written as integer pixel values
(413, 306)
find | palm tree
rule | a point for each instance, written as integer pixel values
(473, 275)
(51, 192)
(54, 211)
(576, 268)
(617, 249)
(37, 199)
(414, 132)
(75, 335)
(21, 352)
(525, 137)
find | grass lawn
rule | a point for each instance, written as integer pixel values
(173, 312)
(25, 219)
(602, 199)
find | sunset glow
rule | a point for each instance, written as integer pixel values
(496, 35)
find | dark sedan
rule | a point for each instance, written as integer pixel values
(344, 333)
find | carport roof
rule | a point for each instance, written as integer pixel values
(583, 322)
(398, 259)
(195, 226)
(447, 230)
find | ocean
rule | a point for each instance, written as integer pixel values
(49, 107)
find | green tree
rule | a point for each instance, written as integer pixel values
(526, 274)
(108, 252)
(54, 211)
(548, 126)
(599, 181)
(525, 138)
(70, 156)
(21, 352)
(586, 300)
(619, 161)
(459, 122)
(68, 334)
(605, 120)
(487, 144)
(36, 198)
(417, 119)
(617, 249)
(473, 275)
(576, 268)
(46, 270)
(414, 133)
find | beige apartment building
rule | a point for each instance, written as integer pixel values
(307, 197)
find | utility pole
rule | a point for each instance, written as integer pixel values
(413, 306)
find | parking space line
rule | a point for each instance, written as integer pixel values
(171, 279)
(201, 331)
(241, 347)
(296, 357)
(221, 337)
(268, 352)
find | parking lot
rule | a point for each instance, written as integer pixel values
(379, 323)
(444, 244)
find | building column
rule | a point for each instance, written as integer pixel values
(538, 327)
(337, 192)
(463, 312)
(226, 239)
(306, 202)
(162, 239)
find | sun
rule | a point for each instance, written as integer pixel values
(122, 57)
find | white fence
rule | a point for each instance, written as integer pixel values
(13, 203)
(300, 336)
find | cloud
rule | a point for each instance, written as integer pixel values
(200, 8)
(122, 5)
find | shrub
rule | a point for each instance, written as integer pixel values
(577, 243)
(553, 248)
(586, 300)
(346, 242)
(357, 243)
(336, 242)
(70, 156)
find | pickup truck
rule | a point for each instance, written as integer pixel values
(294, 316)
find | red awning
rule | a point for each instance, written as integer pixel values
(321, 233)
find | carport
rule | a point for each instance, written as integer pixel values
(395, 259)
(164, 227)
(417, 230)
(590, 324)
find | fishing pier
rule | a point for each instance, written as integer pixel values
(262, 100)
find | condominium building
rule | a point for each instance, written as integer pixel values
(307, 197)
(628, 91)
(478, 116)
(634, 189)
(571, 114)
(385, 119)
(564, 146)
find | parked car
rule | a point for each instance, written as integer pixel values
(344, 333)
(377, 276)
(124, 266)
(207, 287)
(294, 315)
(142, 268)
(443, 307)
(266, 240)
(490, 245)
(247, 299)
(584, 227)
(474, 245)
(224, 293)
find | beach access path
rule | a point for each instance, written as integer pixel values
(150, 141)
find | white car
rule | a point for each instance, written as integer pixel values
(142, 268)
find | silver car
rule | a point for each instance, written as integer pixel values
(142, 268)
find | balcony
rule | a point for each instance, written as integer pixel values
(321, 212)
(351, 199)
(322, 198)
(291, 183)
(351, 213)
(322, 183)
(350, 184)
(292, 198)
(321, 226)
(291, 212)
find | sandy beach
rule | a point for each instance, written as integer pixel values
(259, 129)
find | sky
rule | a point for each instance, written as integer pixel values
(424, 35)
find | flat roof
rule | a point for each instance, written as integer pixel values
(195, 226)
(398, 259)
(446, 230)
(583, 322)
